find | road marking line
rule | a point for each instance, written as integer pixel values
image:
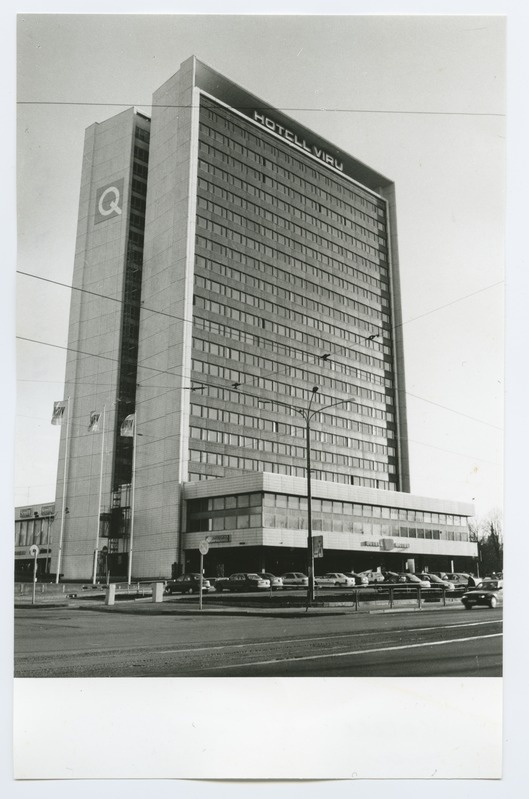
(347, 654)
(320, 638)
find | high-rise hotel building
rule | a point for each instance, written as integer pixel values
(233, 269)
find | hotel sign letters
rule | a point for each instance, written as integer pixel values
(293, 138)
(109, 201)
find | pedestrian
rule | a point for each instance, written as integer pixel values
(471, 581)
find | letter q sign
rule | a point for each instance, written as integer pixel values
(109, 201)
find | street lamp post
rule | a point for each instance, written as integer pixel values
(308, 414)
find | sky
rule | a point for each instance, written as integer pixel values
(419, 99)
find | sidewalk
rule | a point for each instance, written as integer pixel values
(145, 606)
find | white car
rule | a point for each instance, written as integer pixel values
(332, 579)
(372, 576)
(295, 580)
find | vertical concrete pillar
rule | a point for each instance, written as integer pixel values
(110, 595)
(157, 592)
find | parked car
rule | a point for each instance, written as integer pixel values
(372, 576)
(243, 581)
(408, 577)
(275, 582)
(360, 579)
(332, 579)
(393, 577)
(458, 578)
(187, 584)
(488, 592)
(295, 580)
(435, 580)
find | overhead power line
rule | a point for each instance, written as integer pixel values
(268, 108)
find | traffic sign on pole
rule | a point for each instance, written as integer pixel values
(34, 551)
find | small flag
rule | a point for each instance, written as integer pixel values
(127, 426)
(93, 425)
(58, 411)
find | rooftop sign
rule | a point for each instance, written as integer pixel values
(294, 139)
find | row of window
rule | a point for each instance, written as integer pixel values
(141, 154)
(287, 390)
(335, 524)
(314, 342)
(279, 521)
(327, 506)
(214, 470)
(293, 277)
(32, 531)
(285, 155)
(377, 270)
(142, 134)
(239, 315)
(267, 201)
(305, 232)
(234, 125)
(272, 367)
(280, 448)
(290, 296)
(326, 245)
(291, 178)
(273, 426)
(358, 510)
(222, 351)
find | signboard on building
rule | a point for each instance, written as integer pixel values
(109, 201)
(317, 546)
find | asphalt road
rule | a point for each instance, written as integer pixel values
(72, 642)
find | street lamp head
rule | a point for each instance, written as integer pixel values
(315, 389)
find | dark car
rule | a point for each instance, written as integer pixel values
(187, 584)
(488, 593)
(243, 581)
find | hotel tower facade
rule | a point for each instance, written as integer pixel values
(233, 270)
